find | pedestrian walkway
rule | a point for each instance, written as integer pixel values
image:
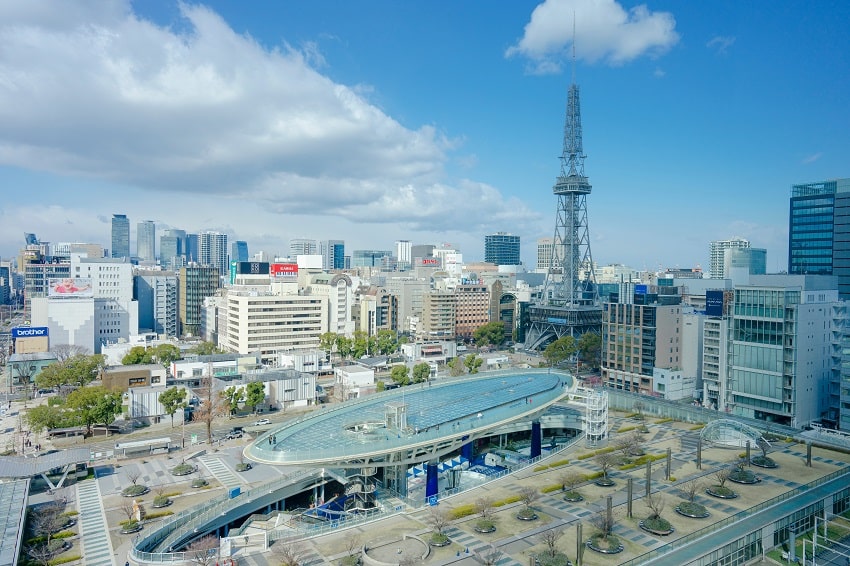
(220, 471)
(94, 532)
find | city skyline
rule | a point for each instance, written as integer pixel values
(272, 122)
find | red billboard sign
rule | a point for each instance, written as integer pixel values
(430, 261)
(284, 270)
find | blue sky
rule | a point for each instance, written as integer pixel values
(428, 121)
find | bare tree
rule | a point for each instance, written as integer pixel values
(203, 551)
(46, 520)
(630, 444)
(212, 406)
(484, 507)
(638, 408)
(352, 546)
(528, 495)
(128, 508)
(41, 553)
(690, 489)
(550, 539)
(289, 553)
(570, 480)
(604, 523)
(655, 502)
(438, 518)
(64, 352)
(489, 555)
(133, 475)
(722, 475)
(605, 461)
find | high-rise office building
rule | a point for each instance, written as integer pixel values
(156, 293)
(819, 231)
(172, 249)
(193, 246)
(195, 283)
(333, 254)
(369, 258)
(239, 251)
(544, 254)
(302, 246)
(146, 241)
(717, 251)
(501, 248)
(212, 250)
(404, 253)
(120, 236)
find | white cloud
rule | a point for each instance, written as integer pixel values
(604, 30)
(199, 109)
(659, 73)
(720, 43)
(812, 158)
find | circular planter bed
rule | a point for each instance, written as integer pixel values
(745, 477)
(183, 469)
(134, 490)
(131, 527)
(484, 526)
(560, 559)
(692, 510)
(605, 482)
(764, 462)
(660, 527)
(721, 492)
(199, 483)
(611, 545)
(161, 501)
(439, 540)
(349, 561)
(573, 496)
(243, 467)
(527, 515)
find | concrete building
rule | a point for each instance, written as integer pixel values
(191, 369)
(473, 308)
(378, 310)
(120, 236)
(639, 334)
(410, 292)
(545, 247)
(438, 316)
(338, 291)
(212, 251)
(123, 378)
(740, 263)
(22, 369)
(353, 382)
(271, 322)
(195, 283)
(146, 241)
(156, 293)
(143, 404)
(302, 246)
(717, 255)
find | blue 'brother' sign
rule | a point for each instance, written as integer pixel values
(29, 331)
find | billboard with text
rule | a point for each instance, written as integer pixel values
(70, 287)
(284, 270)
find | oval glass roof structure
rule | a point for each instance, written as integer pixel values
(730, 434)
(422, 420)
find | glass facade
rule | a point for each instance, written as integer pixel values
(120, 236)
(502, 249)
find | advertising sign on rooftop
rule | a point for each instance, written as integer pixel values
(284, 270)
(29, 332)
(714, 302)
(70, 287)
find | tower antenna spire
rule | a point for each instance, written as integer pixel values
(574, 47)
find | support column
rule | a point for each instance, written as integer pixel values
(431, 483)
(669, 463)
(808, 454)
(648, 477)
(629, 488)
(536, 439)
(748, 453)
(466, 450)
(579, 544)
(699, 453)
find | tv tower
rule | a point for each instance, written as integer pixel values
(570, 303)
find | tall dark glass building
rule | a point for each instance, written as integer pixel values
(120, 236)
(819, 231)
(501, 248)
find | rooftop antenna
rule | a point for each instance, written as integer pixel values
(574, 46)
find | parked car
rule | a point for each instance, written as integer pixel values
(233, 435)
(262, 422)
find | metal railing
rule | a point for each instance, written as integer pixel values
(689, 538)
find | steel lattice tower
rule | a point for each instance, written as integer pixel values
(570, 302)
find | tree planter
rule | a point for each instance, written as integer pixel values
(660, 527)
(764, 462)
(199, 483)
(131, 527)
(573, 496)
(160, 502)
(692, 510)
(527, 515)
(484, 526)
(183, 469)
(746, 477)
(605, 482)
(244, 467)
(560, 559)
(439, 540)
(135, 491)
(721, 492)
(610, 546)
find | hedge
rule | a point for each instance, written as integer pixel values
(65, 559)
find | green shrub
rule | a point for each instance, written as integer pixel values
(158, 514)
(626, 428)
(70, 513)
(540, 468)
(551, 488)
(698, 427)
(664, 420)
(462, 511)
(65, 559)
(507, 501)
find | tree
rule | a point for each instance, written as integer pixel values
(233, 396)
(590, 348)
(46, 417)
(363, 344)
(289, 553)
(472, 363)
(484, 507)
(138, 355)
(255, 395)
(94, 405)
(78, 370)
(46, 520)
(549, 538)
(202, 551)
(386, 342)
(560, 350)
(490, 555)
(570, 480)
(399, 374)
(165, 354)
(65, 351)
(690, 489)
(456, 367)
(528, 495)
(604, 522)
(344, 346)
(421, 372)
(172, 399)
(206, 349)
(327, 342)
(605, 461)
(211, 407)
(490, 334)
(630, 444)
(656, 503)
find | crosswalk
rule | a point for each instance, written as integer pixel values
(94, 532)
(220, 471)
